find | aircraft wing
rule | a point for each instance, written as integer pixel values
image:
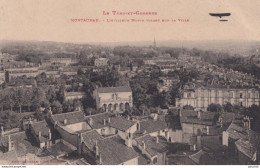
(219, 14)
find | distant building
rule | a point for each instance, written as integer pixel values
(99, 62)
(115, 99)
(65, 61)
(74, 95)
(202, 97)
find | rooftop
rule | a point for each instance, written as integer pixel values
(72, 117)
(42, 127)
(236, 132)
(114, 151)
(151, 146)
(114, 89)
(90, 138)
(191, 116)
(121, 123)
(21, 143)
(98, 120)
(245, 147)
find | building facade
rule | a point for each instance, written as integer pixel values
(113, 99)
(101, 62)
(202, 97)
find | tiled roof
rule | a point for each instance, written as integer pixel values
(75, 94)
(196, 156)
(190, 116)
(72, 117)
(151, 147)
(152, 125)
(236, 132)
(121, 123)
(98, 120)
(90, 138)
(59, 149)
(8, 157)
(42, 127)
(114, 151)
(211, 142)
(245, 147)
(21, 143)
(114, 89)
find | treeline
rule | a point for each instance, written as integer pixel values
(241, 65)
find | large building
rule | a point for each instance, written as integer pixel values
(99, 62)
(202, 97)
(115, 99)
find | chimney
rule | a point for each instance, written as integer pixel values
(100, 158)
(129, 140)
(194, 147)
(199, 114)
(207, 130)
(81, 138)
(97, 150)
(249, 123)
(198, 142)
(104, 121)
(50, 111)
(221, 122)
(225, 138)
(9, 143)
(49, 135)
(157, 139)
(138, 125)
(39, 134)
(65, 121)
(90, 121)
(179, 110)
(167, 135)
(108, 120)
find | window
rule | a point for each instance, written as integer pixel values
(241, 95)
(241, 104)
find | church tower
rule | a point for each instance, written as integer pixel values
(154, 43)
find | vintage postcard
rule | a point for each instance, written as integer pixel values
(119, 82)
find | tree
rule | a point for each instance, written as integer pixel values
(56, 107)
(214, 107)
(228, 107)
(188, 107)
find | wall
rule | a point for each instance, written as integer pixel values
(133, 161)
(77, 126)
(68, 135)
(176, 136)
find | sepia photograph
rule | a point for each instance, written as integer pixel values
(119, 82)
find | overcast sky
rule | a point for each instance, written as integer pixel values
(49, 20)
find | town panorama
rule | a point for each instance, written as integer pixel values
(82, 104)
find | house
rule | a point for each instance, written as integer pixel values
(202, 96)
(16, 145)
(42, 133)
(112, 150)
(153, 148)
(100, 62)
(74, 95)
(115, 99)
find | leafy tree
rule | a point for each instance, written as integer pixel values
(214, 107)
(188, 107)
(228, 107)
(56, 107)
